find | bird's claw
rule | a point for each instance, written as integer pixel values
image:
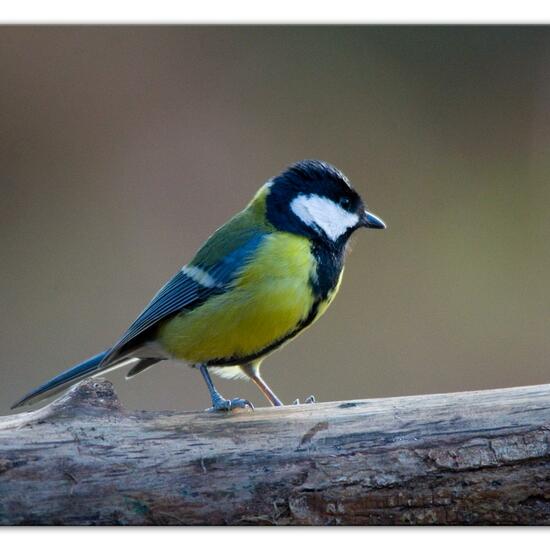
(310, 399)
(226, 405)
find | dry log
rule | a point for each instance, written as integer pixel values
(467, 458)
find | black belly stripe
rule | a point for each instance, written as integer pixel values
(330, 261)
(243, 359)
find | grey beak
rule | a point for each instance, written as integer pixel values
(371, 221)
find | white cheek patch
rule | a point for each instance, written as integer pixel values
(315, 210)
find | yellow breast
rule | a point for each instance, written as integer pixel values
(267, 301)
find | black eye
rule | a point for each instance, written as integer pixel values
(345, 202)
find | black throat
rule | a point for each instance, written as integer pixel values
(330, 261)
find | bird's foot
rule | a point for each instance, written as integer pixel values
(226, 405)
(310, 399)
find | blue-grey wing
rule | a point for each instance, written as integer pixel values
(190, 287)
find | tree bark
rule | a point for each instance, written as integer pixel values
(453, 459)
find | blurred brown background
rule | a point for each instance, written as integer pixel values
(123, 148)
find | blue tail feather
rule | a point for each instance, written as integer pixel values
(61, 381)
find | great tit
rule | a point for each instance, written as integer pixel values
(257, 282)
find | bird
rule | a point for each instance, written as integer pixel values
(256, 283)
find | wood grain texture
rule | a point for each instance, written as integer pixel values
(466, 458)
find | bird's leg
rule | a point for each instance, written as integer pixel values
(253, 372)
(266, 390)
(219, 403)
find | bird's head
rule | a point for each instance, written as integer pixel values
(314, 199)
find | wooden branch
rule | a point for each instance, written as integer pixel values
(467, 458)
